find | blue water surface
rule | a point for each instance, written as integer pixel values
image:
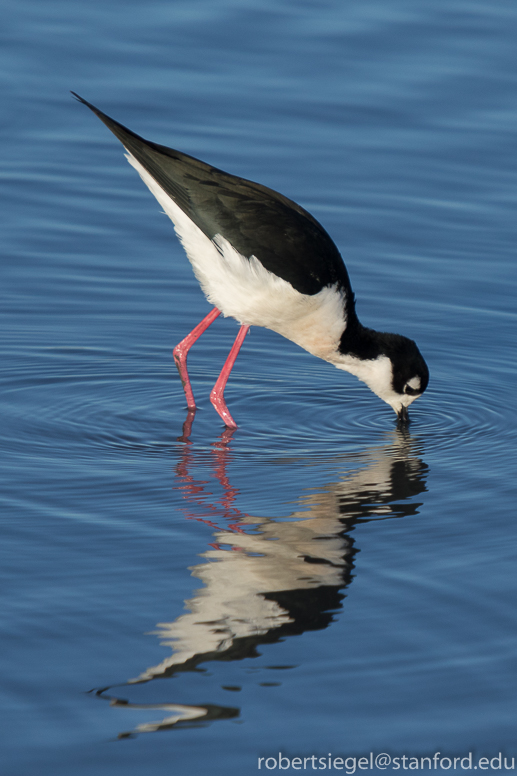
(320, 582)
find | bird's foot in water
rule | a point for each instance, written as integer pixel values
(222, 410)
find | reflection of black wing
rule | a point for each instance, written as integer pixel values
(309, 609)
(289, 576)
(313, 608)
(406, 481)
(256, 220)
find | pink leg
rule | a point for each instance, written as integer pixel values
(217, 393)
(181, 350)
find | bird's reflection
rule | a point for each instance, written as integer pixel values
(267, 578)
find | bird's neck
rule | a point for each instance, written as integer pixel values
(359, 341)
(361, 352)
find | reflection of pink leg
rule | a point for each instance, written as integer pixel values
(217, 394)
(181, 350)
(187, 428)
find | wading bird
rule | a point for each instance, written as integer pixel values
(265, 261)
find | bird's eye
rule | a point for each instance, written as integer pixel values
(411, 391)
(412, 387)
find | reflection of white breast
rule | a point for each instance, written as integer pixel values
(232, 604)
(272, 557)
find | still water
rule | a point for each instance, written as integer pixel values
(319, 582)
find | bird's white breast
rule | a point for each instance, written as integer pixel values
(243, 289)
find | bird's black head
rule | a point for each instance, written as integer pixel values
(391, 365)
(410, 375)
(410, 372)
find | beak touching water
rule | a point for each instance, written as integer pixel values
(403, 415)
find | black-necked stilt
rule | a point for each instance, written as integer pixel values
(265, 261)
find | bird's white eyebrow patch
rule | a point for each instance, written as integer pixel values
(414, 383)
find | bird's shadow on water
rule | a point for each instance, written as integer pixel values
(266, 579)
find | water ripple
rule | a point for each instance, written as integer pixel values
(91, 401)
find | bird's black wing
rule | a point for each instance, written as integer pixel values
(256, 220)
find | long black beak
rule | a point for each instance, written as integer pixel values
(403, 416)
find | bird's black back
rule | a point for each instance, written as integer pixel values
(256, 220)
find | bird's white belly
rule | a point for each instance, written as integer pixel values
(243, 289)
